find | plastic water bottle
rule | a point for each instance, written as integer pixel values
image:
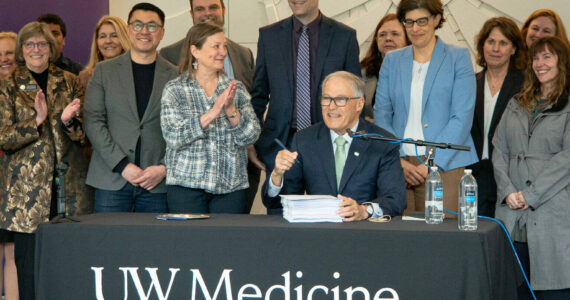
(434, 197)
(467, 202)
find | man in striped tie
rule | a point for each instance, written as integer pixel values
(293, 57)
(325, 160)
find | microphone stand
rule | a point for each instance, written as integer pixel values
(61, 217)
(431, 146)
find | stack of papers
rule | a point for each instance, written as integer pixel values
(310, 208)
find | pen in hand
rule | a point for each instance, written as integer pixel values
(282, 146)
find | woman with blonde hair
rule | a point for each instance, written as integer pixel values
(109, 40)
(8, 274)
(7, 53)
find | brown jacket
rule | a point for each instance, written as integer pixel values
(30, 153)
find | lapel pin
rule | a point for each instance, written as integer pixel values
(356, 154)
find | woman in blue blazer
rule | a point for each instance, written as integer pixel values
(426, 91)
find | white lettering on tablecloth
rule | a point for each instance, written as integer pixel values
(249, 290)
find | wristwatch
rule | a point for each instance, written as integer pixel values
(369, 210)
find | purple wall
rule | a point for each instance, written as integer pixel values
(80, 17)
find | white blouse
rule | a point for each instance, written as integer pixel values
(489, 108)
(414, 127)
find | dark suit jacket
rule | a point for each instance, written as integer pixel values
(372, 171)
(112, 121)
(483, 170)
(240, 56)
(511, 86)
(273, 79)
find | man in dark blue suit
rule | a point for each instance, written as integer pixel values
(293, 57)
(325, 160)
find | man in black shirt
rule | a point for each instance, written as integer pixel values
(122, 120)
(58, 30)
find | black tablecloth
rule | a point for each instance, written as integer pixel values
(261, 255)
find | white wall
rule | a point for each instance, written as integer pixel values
(244, 17)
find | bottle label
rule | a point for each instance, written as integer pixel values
(470, 196)
(438, 192)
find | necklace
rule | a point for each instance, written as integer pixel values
(495, 83)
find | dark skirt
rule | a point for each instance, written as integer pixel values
(6, 236)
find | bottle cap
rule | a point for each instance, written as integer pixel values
(467, 171)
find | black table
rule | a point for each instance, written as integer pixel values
(117, 255)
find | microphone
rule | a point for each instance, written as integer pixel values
(350, 132)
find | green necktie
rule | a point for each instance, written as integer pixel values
(339, 158)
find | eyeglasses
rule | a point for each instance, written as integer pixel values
(409, 23)
(151, 26)
(338, 101)
(32, 45)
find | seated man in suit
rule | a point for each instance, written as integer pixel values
(294, 55)
(325, 160)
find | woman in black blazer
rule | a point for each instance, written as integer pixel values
(499, 47)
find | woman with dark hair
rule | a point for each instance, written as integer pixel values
(40, 128)
(532, 168)
(389, 35)
(541, 23)
(427, 92)
(207, 122)
(501, 54)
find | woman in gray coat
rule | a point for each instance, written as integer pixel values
(532, 168)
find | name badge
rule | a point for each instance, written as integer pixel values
(28, 87)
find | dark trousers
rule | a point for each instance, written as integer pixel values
(187, 200)
(253, 177)
(486, 188)
(523, 291)
(24, 252)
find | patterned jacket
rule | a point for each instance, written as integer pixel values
(30, 153)
(213, 159)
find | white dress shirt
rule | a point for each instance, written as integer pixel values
(273, 190)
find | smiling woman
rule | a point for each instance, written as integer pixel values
(531, 159)
(207, 122)
(109, 40)
(40, 127)
(542, 23)
(7, 54)
(9, 282)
